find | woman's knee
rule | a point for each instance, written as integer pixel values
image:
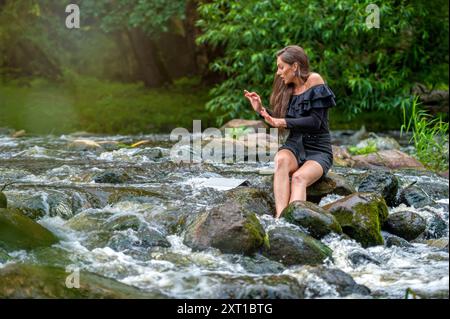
(299, 178)
(282, 161)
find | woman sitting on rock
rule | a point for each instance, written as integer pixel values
(300, 100)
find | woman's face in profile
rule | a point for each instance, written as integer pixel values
(285, 71)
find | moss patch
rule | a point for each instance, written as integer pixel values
(17, 231)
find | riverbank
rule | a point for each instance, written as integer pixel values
(92, 105)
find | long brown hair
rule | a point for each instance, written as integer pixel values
(281, 93)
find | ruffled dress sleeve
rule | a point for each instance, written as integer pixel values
(309, 109)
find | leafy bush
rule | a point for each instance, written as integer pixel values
(368, 69)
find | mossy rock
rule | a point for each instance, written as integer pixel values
(3, 200)
(361, 216)
(292, 247)
(317, 221)
(36, 281)
(228, 227)
(17, 231)
(253, 199)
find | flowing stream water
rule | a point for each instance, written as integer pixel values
(100, 225)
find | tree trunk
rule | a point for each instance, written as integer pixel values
(152, 70)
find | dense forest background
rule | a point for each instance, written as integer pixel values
(140, 66)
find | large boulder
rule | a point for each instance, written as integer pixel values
(406, 224)
(252, 199)
(35, 281)
(392, 159)
(361, 216)
(317, 221)
(17, 231)
(293, 247)
(383, 183)
(229, 227)
(332, 183)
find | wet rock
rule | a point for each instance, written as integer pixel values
(317, 221)
(144, 237)
(222, 149)
(441, 243)
(17, 231)
(343, 283)
(382, 143)
(34, 281)
(38, 204)
(121, 232)
(436, 227)
(383, 183)
(84, 145)
(393, 159)
(358, 258)
(252, 199)
(332, 183)
(150, 153)
(112, 177)
(393, 240)
(361, 216)
(256, 264)
(414, 196)
(173, 220)
(292, 247)
(260, 287)
(229, 227)
(408, 225)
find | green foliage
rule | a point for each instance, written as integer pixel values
(370, 148)
(152, 16)
(88, 104)
(368, 69)
(429, 134)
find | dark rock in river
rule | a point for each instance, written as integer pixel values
(316, 220)
(408, 225)
(383, 183)
(292, 247)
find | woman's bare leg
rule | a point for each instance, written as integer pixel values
(305, 176)
(285, 163)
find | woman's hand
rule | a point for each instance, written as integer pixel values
(274, 122)
(254, 99)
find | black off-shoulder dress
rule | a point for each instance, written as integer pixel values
(307, 120)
